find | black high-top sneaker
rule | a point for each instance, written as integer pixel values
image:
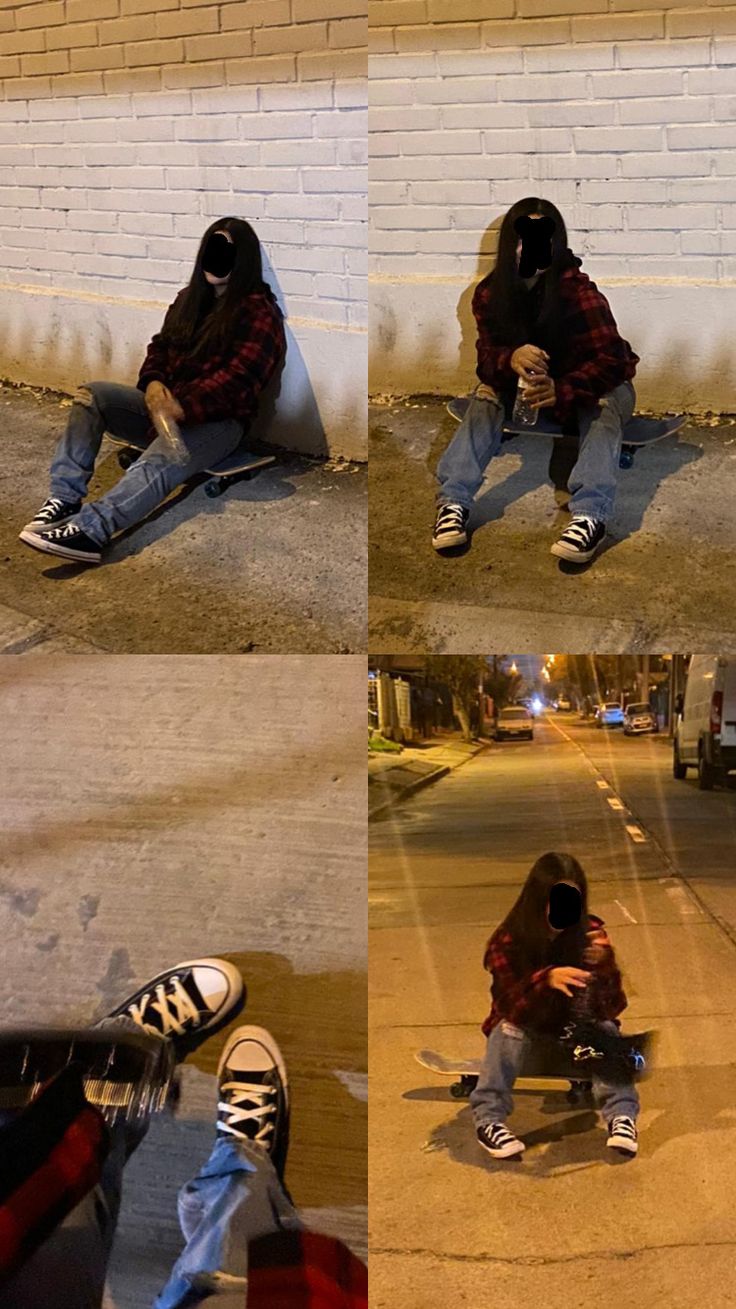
(187, 1004)
(622, 1134)
(449, 528)
(53, 513)
(254, 1093)
(499, 1141)
(69, 541)
(580, 540)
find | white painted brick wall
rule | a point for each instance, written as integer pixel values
(623, 114)
(136, 122)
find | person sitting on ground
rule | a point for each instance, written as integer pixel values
(242, 1232)
(536, 970)
(221, 342)
(541, 320)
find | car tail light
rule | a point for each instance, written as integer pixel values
(716, 712)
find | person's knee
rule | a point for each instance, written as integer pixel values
(84, 395)
(511, 1030)
(487, 395)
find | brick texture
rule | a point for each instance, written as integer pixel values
(620, 112)
(136, 122)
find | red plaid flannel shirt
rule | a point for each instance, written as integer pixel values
(523, 1001)
(227, 383)
(51, 1155)
(592, 358)
(304, 1270)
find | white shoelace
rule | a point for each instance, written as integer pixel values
(450, 516)
(52, 504)
(500, 1135)
(623, 1126)
(186, 1010)
(69, 529)
(580, 530)
(239, 1111)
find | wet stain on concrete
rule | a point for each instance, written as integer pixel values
(21, 902)
(319, 1021)
(49, 943)
(88, 906)
(117, 981)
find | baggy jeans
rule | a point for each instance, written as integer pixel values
(121, 410)
(592, 482)
(491, 1101)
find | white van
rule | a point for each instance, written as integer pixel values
(705, 730)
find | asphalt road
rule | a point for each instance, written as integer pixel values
(155, 810)
(568, 1226)
(662, 581)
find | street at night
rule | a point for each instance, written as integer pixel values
(568, 1225)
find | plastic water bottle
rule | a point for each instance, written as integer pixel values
(523, 413)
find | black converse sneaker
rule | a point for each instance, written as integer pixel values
(187, 1004)
(580, 540)
(68, 541)
(53, 513)
(622, 1134)
(499, 1141)
(449, 528)
(254, 1093)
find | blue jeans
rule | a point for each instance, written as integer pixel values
(491, 1100)
(592, 482)
(121, 410)
(235, 1198)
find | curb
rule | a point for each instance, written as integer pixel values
(410, 789)
(441, 771)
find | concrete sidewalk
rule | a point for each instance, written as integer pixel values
(157, 810)
(662, 581)
(392, 778)
(274, 565)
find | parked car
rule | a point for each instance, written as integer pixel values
(515, 721)
(639, 718)
(705, 729)
(609, 714)
(564, 704)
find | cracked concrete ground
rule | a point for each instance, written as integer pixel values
(571, 1225)
(159, 809)
(274, 565)
(664, 579)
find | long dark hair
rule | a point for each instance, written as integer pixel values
(507, 321)
(526, 923)
(199, 321)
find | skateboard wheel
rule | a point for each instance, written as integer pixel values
(626, 458)
(457, 1091)
(213, 489)
(126, 459)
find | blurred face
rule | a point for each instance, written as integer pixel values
(564, 907)
(218, 260)
(540, 263)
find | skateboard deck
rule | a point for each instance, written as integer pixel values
(465, 1072)
(241, 463)
(639, 431)
(546, 1059)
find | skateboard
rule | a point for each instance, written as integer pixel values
(571, 1060)
(466, 1071)
(639, 431)
(242, 464)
